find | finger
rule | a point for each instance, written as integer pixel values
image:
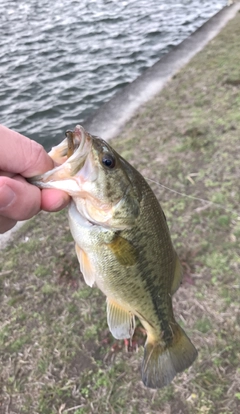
(19, 200)
(54, 200)
(22, 155)
(6, 224)
(6, 174)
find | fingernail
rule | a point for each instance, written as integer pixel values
(7, 196)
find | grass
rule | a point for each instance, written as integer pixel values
(56, 351)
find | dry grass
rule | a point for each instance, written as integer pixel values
(57, 354)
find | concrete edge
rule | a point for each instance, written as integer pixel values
(113, 115)
(110, 118)
(9, 235)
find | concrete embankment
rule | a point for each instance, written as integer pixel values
(112, 116)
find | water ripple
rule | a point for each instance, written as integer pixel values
(61, 60)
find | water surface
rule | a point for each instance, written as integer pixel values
(61, 59)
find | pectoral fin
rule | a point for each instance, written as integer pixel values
(177, 276)
(124, 251)
(85, 266)
(120, 321)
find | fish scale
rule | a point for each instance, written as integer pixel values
(124, 247)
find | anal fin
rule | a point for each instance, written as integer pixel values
(120, 321)
(85, 266)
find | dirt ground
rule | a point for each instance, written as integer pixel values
(57, 355)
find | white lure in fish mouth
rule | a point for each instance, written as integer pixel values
(75, 166)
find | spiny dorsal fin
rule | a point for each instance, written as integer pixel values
(124, 251)
(120, 321)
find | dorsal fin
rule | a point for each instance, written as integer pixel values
(177, 278)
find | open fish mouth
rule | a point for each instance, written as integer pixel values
(71, 153)
(76, 140)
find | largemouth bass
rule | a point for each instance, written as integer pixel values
(124, 247)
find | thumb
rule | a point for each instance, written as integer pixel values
(19, 200)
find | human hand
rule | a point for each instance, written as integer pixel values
(21, 157)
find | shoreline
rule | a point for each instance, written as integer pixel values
(106, 121)
(112, 116)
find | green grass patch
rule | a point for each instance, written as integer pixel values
(57, 354)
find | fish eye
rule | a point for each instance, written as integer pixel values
(108, 160)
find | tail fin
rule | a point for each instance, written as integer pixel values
(161, 364)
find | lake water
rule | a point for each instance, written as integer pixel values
(61, 59)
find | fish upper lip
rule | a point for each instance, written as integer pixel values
(80, 133)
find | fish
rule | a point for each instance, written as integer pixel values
(124, 247)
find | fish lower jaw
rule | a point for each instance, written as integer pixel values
(76, 216)
(68, 185)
